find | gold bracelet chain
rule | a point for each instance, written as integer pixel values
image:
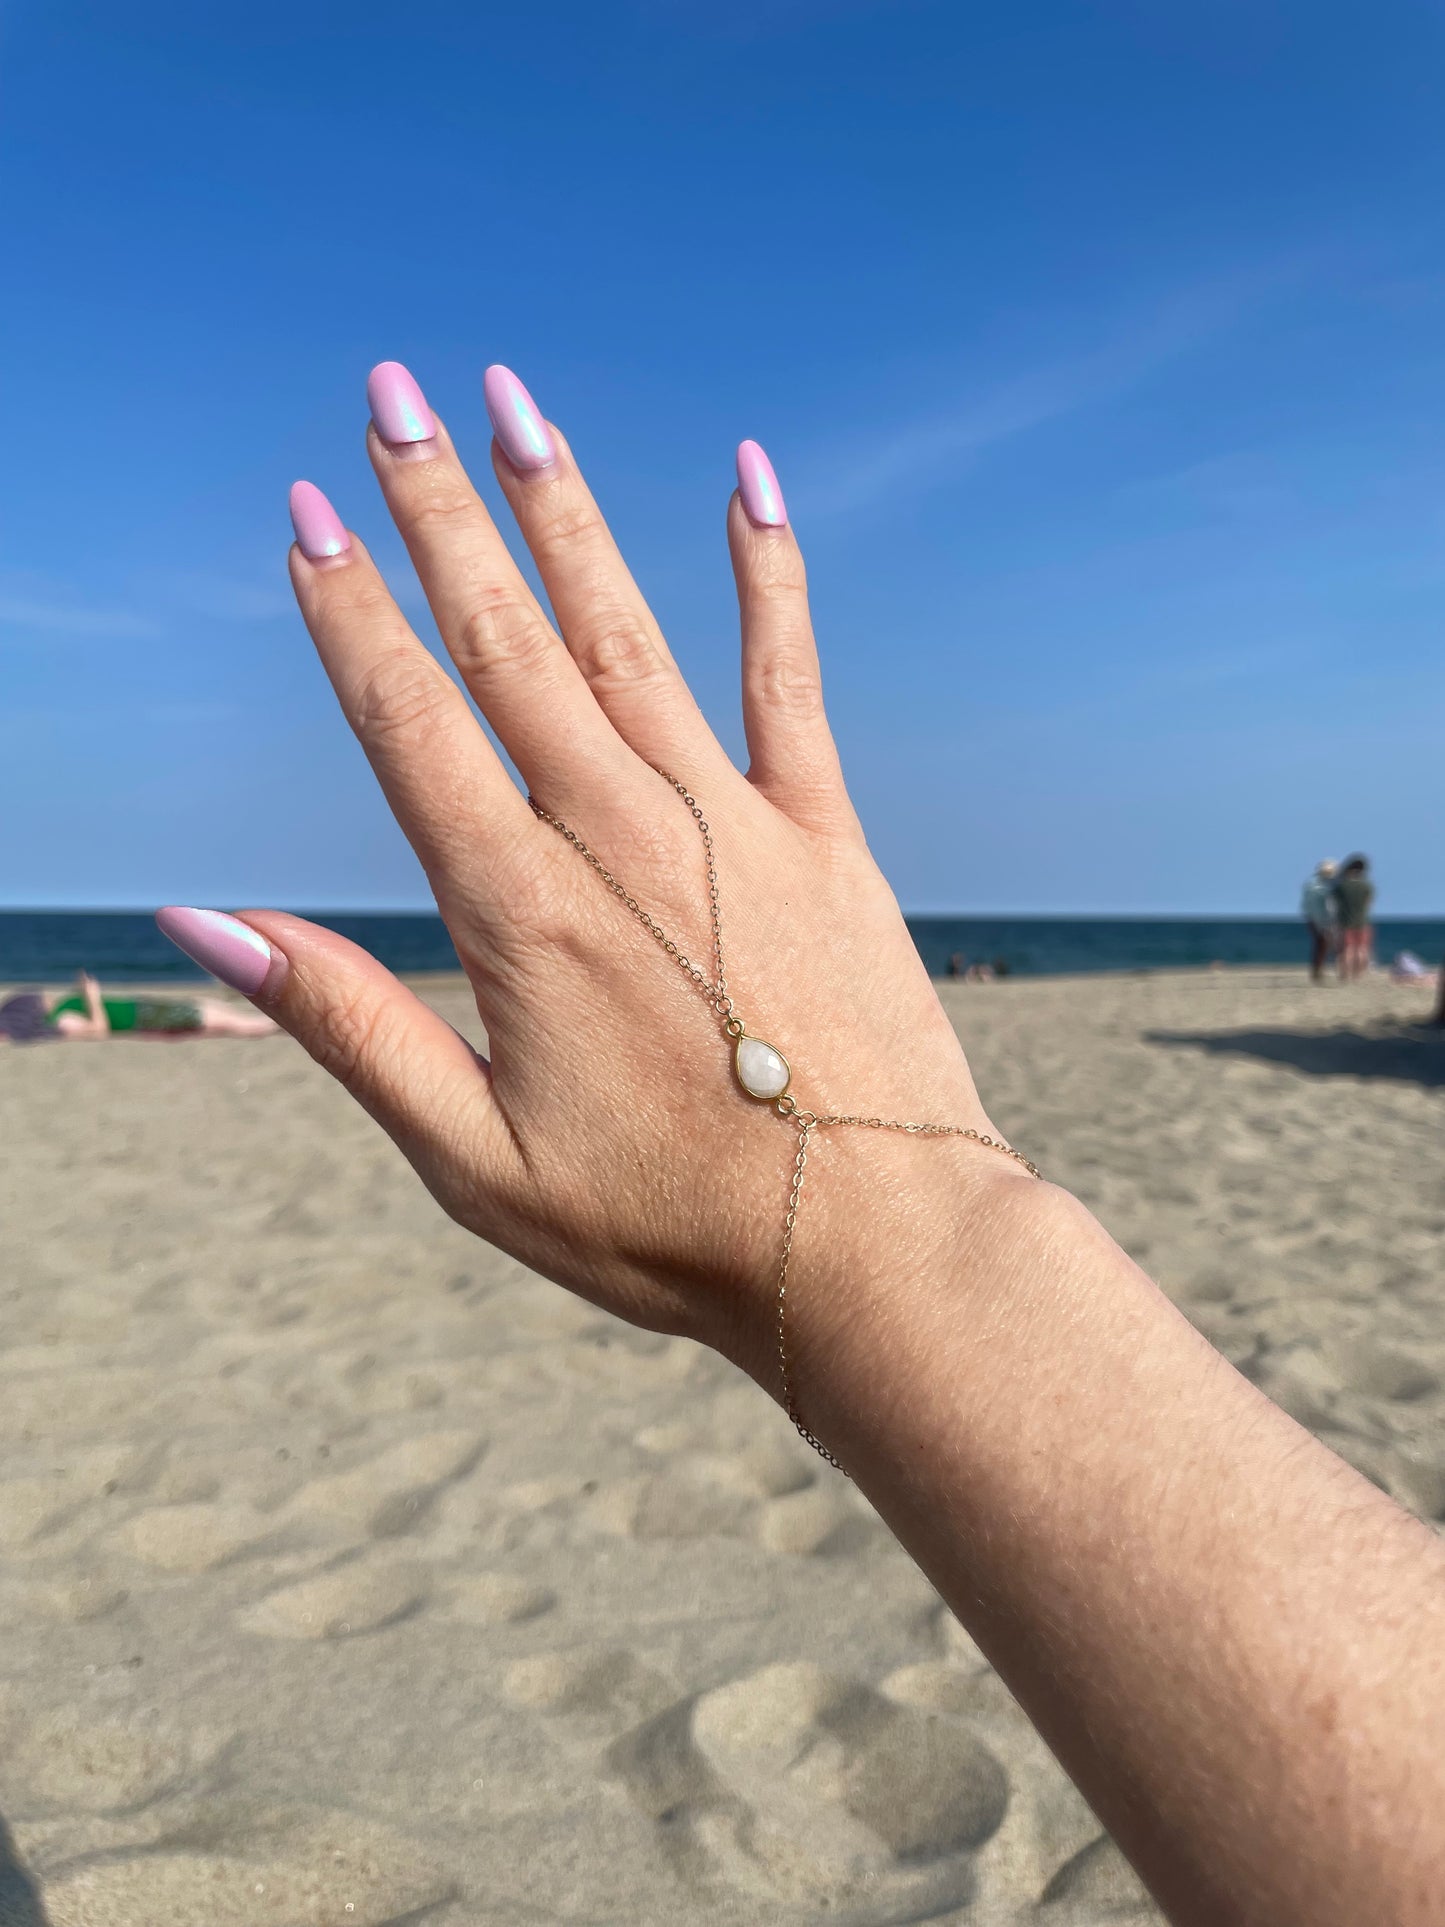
(762, 1071)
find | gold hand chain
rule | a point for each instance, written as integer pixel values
(761, 1069)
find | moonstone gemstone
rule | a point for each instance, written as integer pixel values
(762, 1071)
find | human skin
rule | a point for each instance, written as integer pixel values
(1234, 1643)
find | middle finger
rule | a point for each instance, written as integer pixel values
(605, 621)
(509, 656)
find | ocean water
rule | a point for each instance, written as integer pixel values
(49, 946)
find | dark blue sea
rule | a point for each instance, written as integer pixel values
(48, 946)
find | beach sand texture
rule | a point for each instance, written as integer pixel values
(351, 1574)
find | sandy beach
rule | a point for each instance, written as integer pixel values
(353, 1575)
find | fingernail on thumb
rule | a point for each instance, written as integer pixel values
(228, 948)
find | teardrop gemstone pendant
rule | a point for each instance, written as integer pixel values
(762, 1071)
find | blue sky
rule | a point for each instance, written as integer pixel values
(1100, 350)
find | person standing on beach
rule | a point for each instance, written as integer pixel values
(1355, 894)
(1319, 906)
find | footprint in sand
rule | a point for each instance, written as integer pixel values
(940, 1686)
(819, 1522)
(66, 1763)
(675, 1506)
(805, 1788)
(355, 1599)
(197, 1538)
(34, 1509)
(1378, 1372)
(597, 1682)
(497, 1599)
(335, 1871)
(770, 1465)
(762, 1495)
(390, 1494)
(79, 1600)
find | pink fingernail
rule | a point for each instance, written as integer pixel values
(228, 948)
(398, 407)
(762, 499)
(319, 529)
(525, 438)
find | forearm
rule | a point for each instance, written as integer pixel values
(1234, 1643)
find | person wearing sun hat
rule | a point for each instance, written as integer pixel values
(1319, 906)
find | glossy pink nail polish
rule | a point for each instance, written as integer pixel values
(525, 439)
(319, 529)
(398, 407)
(228, 948)
(762, 499)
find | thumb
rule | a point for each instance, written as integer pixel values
(420, 1080)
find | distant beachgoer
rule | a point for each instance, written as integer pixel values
(39, 1016)
(957, 964)
(1355, 893)
(1410, 969)
(1319, 906)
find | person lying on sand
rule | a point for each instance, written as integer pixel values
(1410, 969)
(36, 1016)
(722, 1099)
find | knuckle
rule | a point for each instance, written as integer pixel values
(499, 631)
(351, 1044)
(400, 696)
(563, 527)
(778, 575)
(615, 647)
(787, 682)
(355, 596)
(442, 506)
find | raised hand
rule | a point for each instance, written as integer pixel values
(1185, 1590)
(606, 1141)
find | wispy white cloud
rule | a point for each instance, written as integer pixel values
(168, 599)
(75, 619)
(225, 598)
(1252, 485)
(933, 447)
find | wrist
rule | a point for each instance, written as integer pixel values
(896, 1236)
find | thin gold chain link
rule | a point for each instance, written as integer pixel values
(715, 990)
